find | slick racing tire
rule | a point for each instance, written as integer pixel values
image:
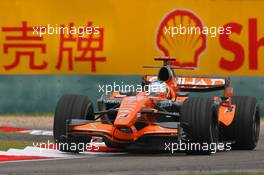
(245, 127)
(71, 107)
(200, 117)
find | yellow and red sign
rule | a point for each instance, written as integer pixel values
(131, 34)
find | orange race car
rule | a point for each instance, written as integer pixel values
(161, 114)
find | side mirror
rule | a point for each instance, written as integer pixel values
(229, 92)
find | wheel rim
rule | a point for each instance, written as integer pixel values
(256, 125)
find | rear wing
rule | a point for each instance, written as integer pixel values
(186, 83)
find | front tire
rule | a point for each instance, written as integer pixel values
(71, 107)
(200, 116)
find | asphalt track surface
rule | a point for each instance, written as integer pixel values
(144, 163)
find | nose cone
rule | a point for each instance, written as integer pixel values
(128, 110)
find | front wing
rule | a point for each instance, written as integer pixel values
(88, 128)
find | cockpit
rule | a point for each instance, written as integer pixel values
(157, 88)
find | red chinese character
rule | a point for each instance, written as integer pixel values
(25, 46)
(87, 46)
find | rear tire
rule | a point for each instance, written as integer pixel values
(200, 116)
(244, 129)
(71, 107)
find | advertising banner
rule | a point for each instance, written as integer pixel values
(119, 37)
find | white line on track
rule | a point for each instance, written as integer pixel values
(46, 159)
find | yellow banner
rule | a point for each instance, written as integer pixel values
(119, 37)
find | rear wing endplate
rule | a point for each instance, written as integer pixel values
(194, 83)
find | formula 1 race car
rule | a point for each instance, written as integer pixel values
(162, 113)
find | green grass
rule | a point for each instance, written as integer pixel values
(6, 144)
(48, 114)
(232, 173)
(227, 173)
(8, 133)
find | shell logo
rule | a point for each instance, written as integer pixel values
(185, 47)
